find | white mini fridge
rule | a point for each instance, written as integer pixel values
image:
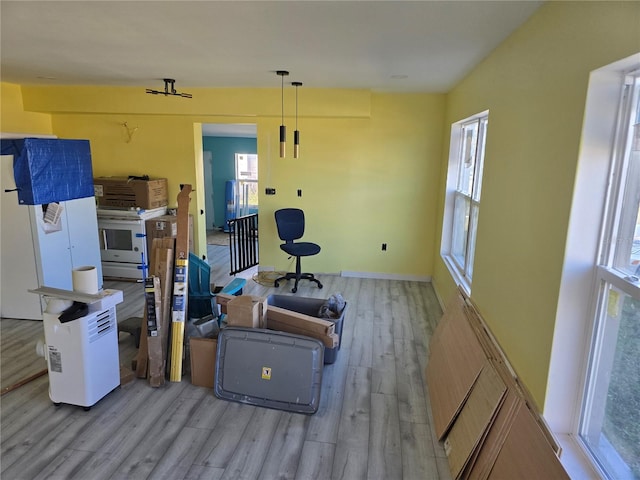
(82, 355)
(32, 256)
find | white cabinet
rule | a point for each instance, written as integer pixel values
(32, 257)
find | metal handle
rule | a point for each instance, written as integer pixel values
(104, 239)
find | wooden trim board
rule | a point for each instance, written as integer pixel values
(330, 340)
(299, 320)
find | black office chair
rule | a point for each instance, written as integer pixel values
(290, 223)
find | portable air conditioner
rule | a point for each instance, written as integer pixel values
(82, 355)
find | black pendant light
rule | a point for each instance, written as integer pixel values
(283, 129)
(296, 133)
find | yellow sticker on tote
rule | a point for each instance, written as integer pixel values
(613, 303)
(266, 373)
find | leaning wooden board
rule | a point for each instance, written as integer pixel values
(180, 287)
(162, 266)
(154, 330)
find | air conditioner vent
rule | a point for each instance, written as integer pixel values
(101, 324)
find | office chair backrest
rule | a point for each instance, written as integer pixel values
(290, 223)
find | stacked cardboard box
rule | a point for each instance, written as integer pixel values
(131, 193)
(255, 312)
(246, 311)
(166, 226)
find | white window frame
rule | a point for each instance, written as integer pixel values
(576, 306)
(462, 272)
(243, 180)
(612, 282)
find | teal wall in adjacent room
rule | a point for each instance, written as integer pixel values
(223, 150)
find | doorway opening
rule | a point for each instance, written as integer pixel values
(230, 170)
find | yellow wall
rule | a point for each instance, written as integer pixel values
(13, 118)
(369, 167)
(534, 85)
(373, 165)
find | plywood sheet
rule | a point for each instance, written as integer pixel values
(475, 418)
(481, 464)
(527, 450)
(494, 351)
(455, 361)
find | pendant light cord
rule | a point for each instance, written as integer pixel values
(283, 129)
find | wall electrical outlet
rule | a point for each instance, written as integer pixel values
(269, 191)
(299, 192)
(384, 247)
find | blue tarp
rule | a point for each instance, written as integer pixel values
(49, 169)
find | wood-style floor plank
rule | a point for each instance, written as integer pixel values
(385, 448)
(418, 457)
(219, 448)
(318, 461)
(324, 424)
(176, 462)
(41, 445)
(352, 447)
(248, 458)
(373, 421)
(159, 439)
(282, 459)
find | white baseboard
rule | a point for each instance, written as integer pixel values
(442, 304)
(386, 276)
(374, 275)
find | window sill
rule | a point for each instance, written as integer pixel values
(575, 461)
(455, 273)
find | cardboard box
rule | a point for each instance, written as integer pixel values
(165, 226)
(122, 192)
(246, 311)
(203, 361)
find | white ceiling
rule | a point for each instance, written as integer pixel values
(398, 46)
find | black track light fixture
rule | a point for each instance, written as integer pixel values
(296, 133)
(169, 89)
(283, 129)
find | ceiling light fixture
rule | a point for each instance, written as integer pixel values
(283, 129)
(169, 89)
(296, 133)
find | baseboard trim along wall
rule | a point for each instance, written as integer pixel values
(373, 275)
(386, 276)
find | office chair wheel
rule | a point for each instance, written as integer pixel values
(294, 289)
(276, 284)
(319, 285)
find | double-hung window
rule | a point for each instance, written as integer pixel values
(247, 183)
(464, 183)
(610, 414)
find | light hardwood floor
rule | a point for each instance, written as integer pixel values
(374, 419)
